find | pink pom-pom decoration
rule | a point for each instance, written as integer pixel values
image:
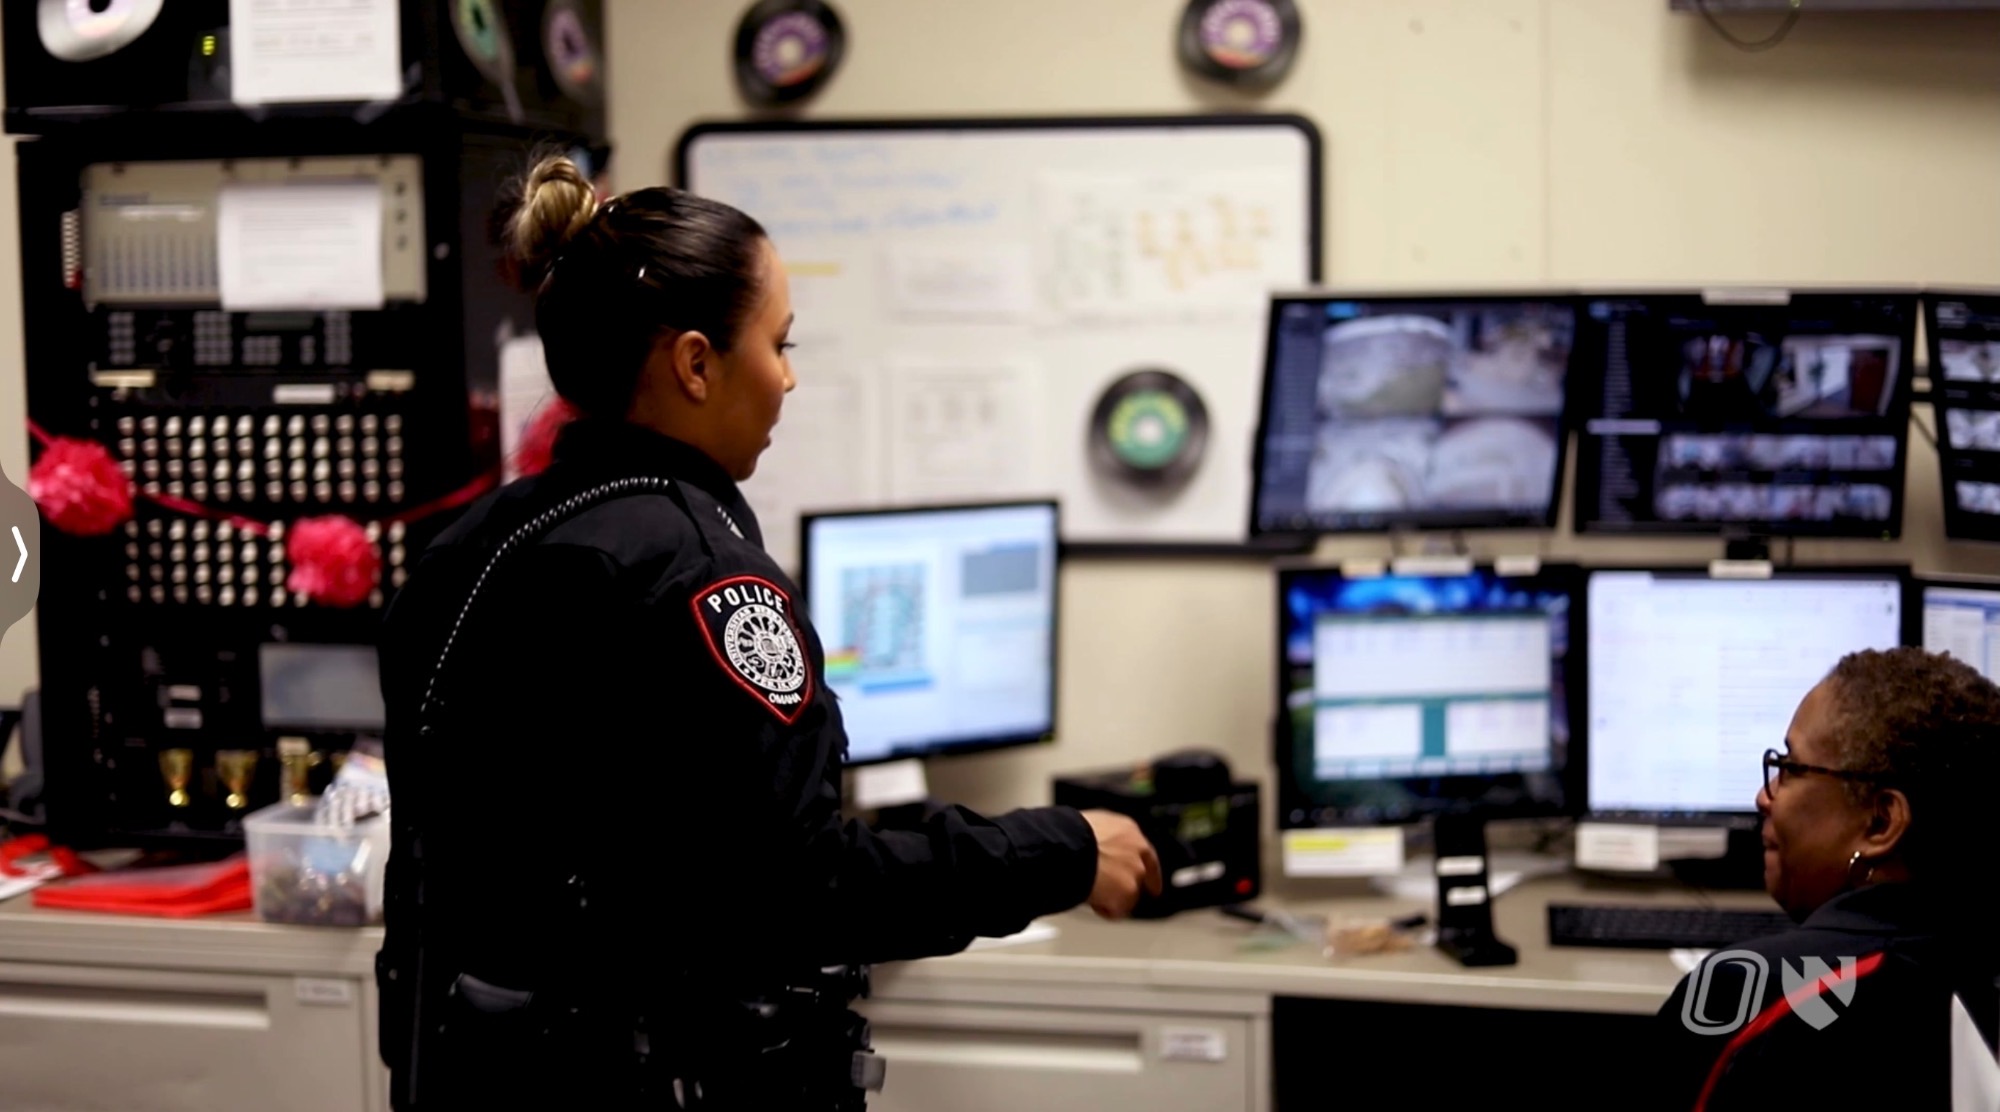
(538, 441)
(333, 561)
(79, 487)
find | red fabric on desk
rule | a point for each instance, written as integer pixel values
(177, 892)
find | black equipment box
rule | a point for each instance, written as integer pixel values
(1202, 821)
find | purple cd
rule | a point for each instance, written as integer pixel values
(790, 49)
(787, 49)
(1241, 34)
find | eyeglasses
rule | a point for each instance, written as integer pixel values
(1785, 766)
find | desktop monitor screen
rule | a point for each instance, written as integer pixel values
(1434, 413)
(1403, 696)
(1963, 620)
(939, 625)
(314, 687)
(1745, 419)
(1691, 678)
(1964, 333)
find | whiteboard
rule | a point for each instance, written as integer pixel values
(967, 291)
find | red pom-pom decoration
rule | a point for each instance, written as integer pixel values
(538, 441)
(79, 487)
(333, 561)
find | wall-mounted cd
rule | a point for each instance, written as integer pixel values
(1247, 43)
(787, 49)
(80, 30)
(1150, 428)
(572, 52)
(482, 33)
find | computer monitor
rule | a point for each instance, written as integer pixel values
(1783, 415)
(939, 625)
(1962, 618)
(1692, 677)
(1964, 333)
(1408, 696)
(1404, 412)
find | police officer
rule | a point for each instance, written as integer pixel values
(620, 878)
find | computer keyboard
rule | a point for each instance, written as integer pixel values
(1659, 928)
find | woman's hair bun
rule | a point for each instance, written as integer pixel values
(557, 202)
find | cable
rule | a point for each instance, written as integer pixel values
(1747, 46)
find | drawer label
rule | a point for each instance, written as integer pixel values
(331, 992)
(1193, 1044)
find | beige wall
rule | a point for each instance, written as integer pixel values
(1468, 141)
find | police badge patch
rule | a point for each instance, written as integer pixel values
(747, 621)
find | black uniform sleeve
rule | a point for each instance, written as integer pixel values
(854, 894)
(902, 894)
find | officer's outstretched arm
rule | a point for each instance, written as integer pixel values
(900, 894)
(863, 895)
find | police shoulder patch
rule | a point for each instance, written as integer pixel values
(748, 624)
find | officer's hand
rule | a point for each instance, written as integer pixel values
(1125, 861)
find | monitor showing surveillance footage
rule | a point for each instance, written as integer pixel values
(1780, 416)
(1392, 412)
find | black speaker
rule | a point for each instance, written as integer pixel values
(528, 63)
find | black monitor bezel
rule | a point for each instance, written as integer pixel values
(1960, 524)
(1910, 632)
(1574, 671)
(1583, 517)
(969, 745)
(1469, 521)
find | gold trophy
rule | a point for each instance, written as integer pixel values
(236, 768)
(177, 768)
(299, 758)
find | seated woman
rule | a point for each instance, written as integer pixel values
(1879, 841)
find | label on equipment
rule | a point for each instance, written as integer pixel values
(303, 393)
(324, 991)
(1193, 1044)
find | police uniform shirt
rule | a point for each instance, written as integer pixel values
(640, 722)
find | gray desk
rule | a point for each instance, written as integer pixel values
(221, 1013)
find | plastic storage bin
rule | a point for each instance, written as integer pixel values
(302, 871)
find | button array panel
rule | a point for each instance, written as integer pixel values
(321, 459)
(224, 339)
(173, 560)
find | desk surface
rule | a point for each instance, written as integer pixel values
(1198, 952)
(1207, 951)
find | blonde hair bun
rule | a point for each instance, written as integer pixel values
(557, 202)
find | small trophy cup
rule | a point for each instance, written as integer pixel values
(177, 768)
(298, 758)
(235, 768)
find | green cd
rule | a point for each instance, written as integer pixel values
(1150, 427)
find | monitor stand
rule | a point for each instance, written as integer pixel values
(1740, 866)
(1465, 903)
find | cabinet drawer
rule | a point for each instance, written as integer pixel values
(977, 1058)
(76, 1038)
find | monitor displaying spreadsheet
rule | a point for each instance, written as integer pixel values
(1404, 696)
(1692, 678)
(1963, 620)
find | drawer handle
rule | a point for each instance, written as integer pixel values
(1010, 1050)
(162, 1007)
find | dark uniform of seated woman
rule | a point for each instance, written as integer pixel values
(1879, 842)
